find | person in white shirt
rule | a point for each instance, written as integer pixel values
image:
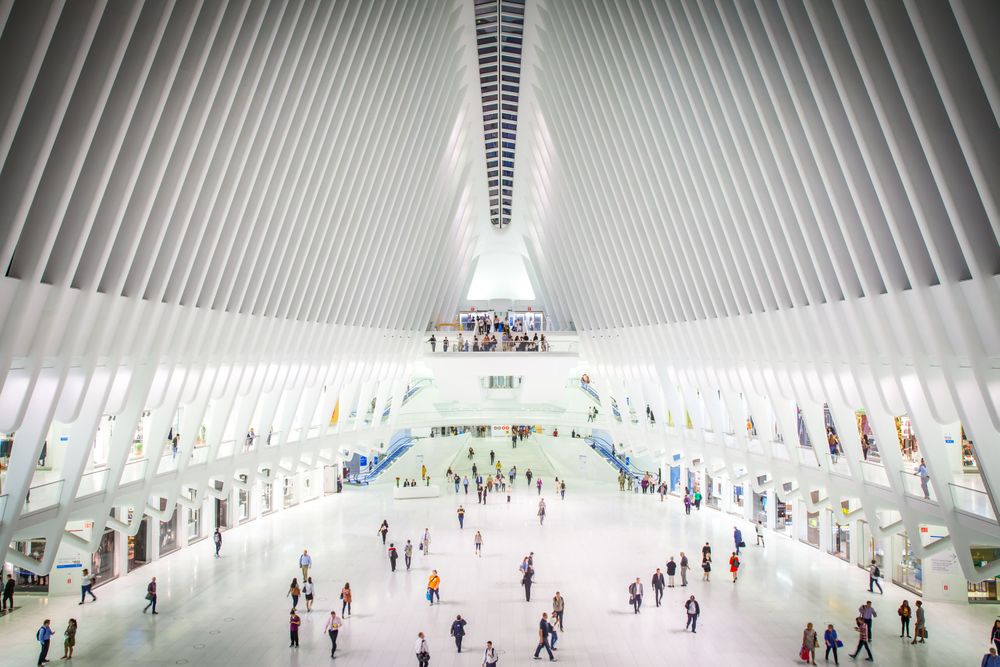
(332, 629)
(86, 588)
(760, 533)
(490, 657)
(420, 648)
(308, 590)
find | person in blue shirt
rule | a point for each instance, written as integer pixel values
(737, 539)
(458, 631)
(830, 639)
(991, 659)
(44, 637)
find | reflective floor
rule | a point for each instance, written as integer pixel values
(234, 610)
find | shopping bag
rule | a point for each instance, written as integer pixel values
(804, 654)
(428, 594)
(840, 644)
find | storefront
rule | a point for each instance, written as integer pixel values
(738, 498)
(104, 565)
(713, 492)
(984, 591)
(194, 521)
(288, 492)
(140, 438)
(908, 569)
(467, 319)
(840, 536)
(760, 506)
(168, 531)
(907, 439)
(138, 545)
(222, 513)
(969, 462)
(869, 447)
(525, 320)
(28, 581)
(812, 529)
(675, 478)
(266, 497)
(784, 514)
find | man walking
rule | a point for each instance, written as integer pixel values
(461, 517)
(458, 631)
(737, 539)
(867, 613)
(305, 562)
(332, 629)
(86, 587)
(558, 607)
(8, 593)
(393, 557)
(407, 553)
(759, 528)
(544, 629)
(658, 586)
(874, 574)
(151, 596)
(693, 610)
(433, 586)
(671, 571)
(493, 457)
(635, 594)
(423, 654)
(44, 637)
(217, 538)
(685, 566)
(490, 656)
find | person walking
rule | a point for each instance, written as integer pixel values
(8, 593)
(541, 511)
(832, 643)
(635, 595)
(151, 596)
(558, 609)
(920, 631)
(434, 587)
(544, 630)
(393, 557)
(493, 457)
(874, 574)
(657, 585)
(332, 630)
(991, 659)
(706, 552)
(44, 637)
(69, 640)
(293, 592)
(305, 562)
(458, 631)
(461, 517)
(671, 571)
(687, 504)
(217, 540)
(425, 543)
(86, 587)
(863, 638)
(738, 539)
(308, 590)
(553, 635)
(759, 529)
(478, 541)
(383, 530)
(867, 612)
(294, 621)
(809, 643)
(904, 612)
(465, 483)
(407, 553)
(685, 566)
(526, 575)
(538, 485)
(693, 610)
(490, 657)
(422, 651)
(697, 500)
(346, 596)
(433, 341)
(734, 565)
(706, 568)
(995, 634)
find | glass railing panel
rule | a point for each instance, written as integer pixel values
(43, 496)
(838, 464)
(199, 455)
(92, 482)
(226, 449)
(874, 473)
(914, 485)
(807, 456)
(134, 471)
(754, 445)
(167, 464)
(972, 500)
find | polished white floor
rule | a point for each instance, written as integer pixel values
(233, 611)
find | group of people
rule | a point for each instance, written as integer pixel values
(506, 342)
(863, 625)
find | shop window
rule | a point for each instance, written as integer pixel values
(168, 531)
(784, 517)
(267, 498)
(907, 439)
(969, 462)
(869, 447)
(27, 580)
(908, 569)
(193, 519)
(104, 565)
(984, 591)
(840, 533)
(288, 491)
(138, 544)
(812, 529)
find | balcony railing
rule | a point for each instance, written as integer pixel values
(43, 496)
(874, 473)
(92, 482)
(913, 485)
(972, 501)
(839, 465)
(134, 471)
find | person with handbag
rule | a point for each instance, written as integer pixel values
(738, 539)
(921, 630)
(706, 568)
(433, 587)
(734, 565)
(832, 643)
(874, 574)
(635, 595)
(293, 592)
(151, 596)
(526, 576)
(294, 621)
(422, 651)
(809, 643)
(346, 596)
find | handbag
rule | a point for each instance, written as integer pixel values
(804, 654)
(631, 599)
(149, 596)
(925, 632)
(428, 594)
(840, 644)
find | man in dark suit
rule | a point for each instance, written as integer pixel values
(658, 585)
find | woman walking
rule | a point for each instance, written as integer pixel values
(706, 568)
(541, 512)
(809, 643)
(293, 592)
(478, 540)
(70, 639)
(345, 595)
(995, 635)
(905, 613)
(308, 590)
(425, 543)
(734, 565)
(383, 530)
(294, 621)
(526, 582)
(832, 643)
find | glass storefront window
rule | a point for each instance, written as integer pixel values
(137, 545)
(840, 538)
(969, 463)
(193, 521)
(812, 529)
(908, 569)
(907, 439)
(168, 531)
(103, 564)
(984, 591)
(28, 581)
(783, 517)
(288, 492)
(266, 498)
(869, 448)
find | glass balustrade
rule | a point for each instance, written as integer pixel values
(43, 496)
(92, 482)
(874, 473)
(839, 465)
(199, 455)
(134, 471)
(226, 449)
(914, 486)
(971, 500)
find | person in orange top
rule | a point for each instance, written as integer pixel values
(432, 587)
(734, 565)
(345, 595)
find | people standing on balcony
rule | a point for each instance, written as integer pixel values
(444, 344)
(433, 341)
(924, 479)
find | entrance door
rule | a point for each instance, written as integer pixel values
(138, 546)
(222, 513)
